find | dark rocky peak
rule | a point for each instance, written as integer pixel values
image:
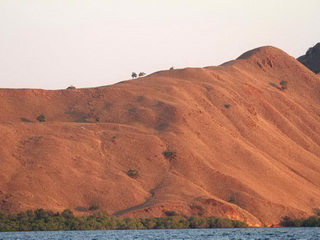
(312, 58)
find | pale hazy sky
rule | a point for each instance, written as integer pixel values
(52, 44)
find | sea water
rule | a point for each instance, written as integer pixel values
(223, 234)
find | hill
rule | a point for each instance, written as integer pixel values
(228, 141)
(312, 58)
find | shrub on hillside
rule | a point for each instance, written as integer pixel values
(133, 75)
(41, 118)
(232, 199)
(171, 213)
(93, 207)
(169, 154)
(132, 173)
(284, 85)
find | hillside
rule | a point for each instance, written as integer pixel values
(223, 141)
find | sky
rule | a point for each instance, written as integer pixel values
(52, 44)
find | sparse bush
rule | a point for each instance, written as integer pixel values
(141, 74)
(71, 87)
(170, 213)
(169, 154)
(80, 209)
(199, 209)
(140, 98)
(132, 173)
(41, 118)
(25, 120)
(67, 213)
(172, 68)
(232, 199)
(317, 211)
(93, 207)
(133, 75)
(274, 85)
(284, 85)
(227, 105)
(162, 126)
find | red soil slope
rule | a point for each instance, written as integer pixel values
(236, 145)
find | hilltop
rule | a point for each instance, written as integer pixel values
(312, 58)
(228, 141)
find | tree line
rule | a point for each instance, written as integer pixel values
(42, 220)
(313, 221)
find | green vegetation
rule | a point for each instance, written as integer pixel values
(93, 207)
(233, 200)
(171, 213)
(313, 221)
(274, 85)
(41, 220)
(132, 173)
(317, 211)
(25, 120)
(200, 210)
(41, 118)
(134, 75)
(284, 85)
(169, 154)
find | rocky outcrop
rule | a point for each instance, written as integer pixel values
(312, 58)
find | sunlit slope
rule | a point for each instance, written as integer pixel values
(223, 141)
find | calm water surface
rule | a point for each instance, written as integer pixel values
(224, 234)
